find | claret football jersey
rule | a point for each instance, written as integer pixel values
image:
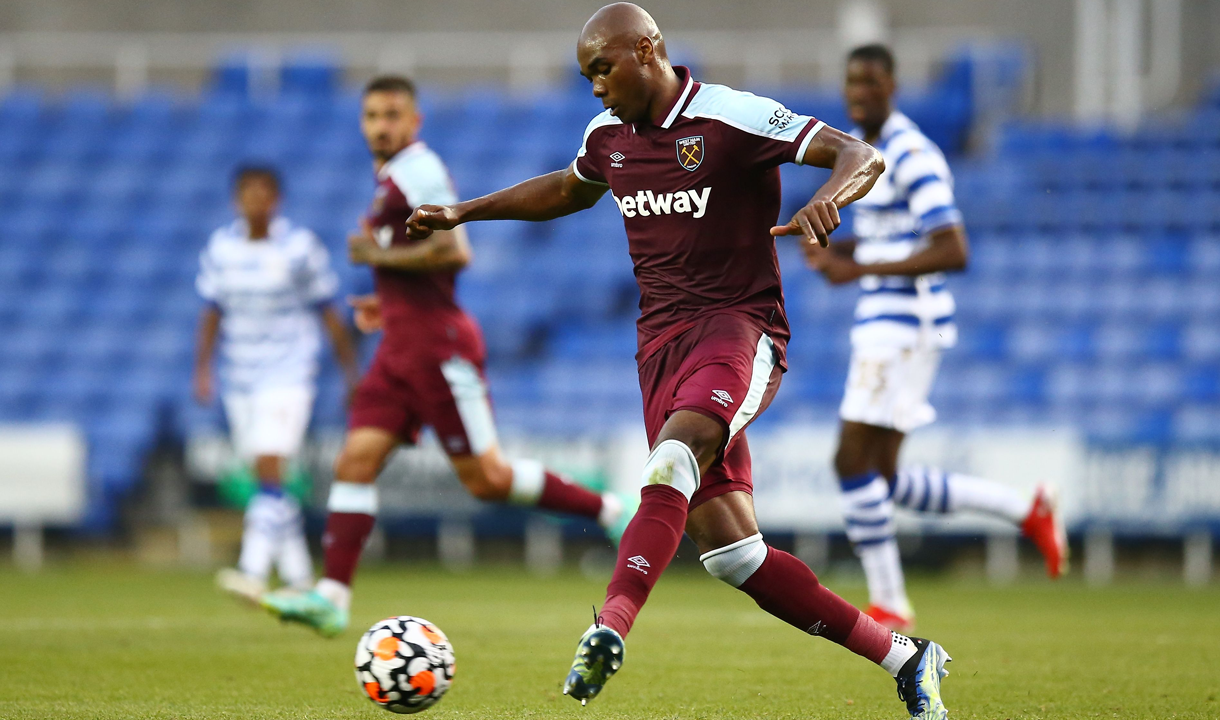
(699, 192)
(413, 303)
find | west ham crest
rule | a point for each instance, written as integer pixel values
(690, 151)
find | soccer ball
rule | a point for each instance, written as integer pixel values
(404, 664)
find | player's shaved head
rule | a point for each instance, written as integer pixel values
(622, 24)
(621, 51)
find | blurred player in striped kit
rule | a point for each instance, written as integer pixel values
(907, 233)
(267, 284)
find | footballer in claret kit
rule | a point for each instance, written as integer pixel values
(428, 369)
(694, 170)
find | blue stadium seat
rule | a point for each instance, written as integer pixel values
(1094, 303)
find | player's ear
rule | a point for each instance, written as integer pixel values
(645, 52)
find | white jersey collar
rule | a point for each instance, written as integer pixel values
(277, 228)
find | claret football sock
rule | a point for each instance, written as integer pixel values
(670, 478)
(647, 547)
(789, 590)
(535, 486)
(934, 490)
(353, 507)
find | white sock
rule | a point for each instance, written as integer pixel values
(260, 536)
(883, 572)
(934, 490)
(336, 592)
(293, 563)
(529, 479)
(869, 516)
(612, 509)
(901, 650)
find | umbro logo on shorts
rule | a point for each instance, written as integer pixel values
(722, 397)
(637, 562)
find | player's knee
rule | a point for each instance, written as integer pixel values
(736, 562)
(701, 434)
(268, 468)
(673, 463)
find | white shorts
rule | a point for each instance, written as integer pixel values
(889, 386)
(269, 421)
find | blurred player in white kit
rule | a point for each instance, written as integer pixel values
(268, 285)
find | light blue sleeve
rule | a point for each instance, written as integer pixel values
(424, 180)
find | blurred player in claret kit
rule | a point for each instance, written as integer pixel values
(694, 171)
(267, 283)
(428, 369)
(907, 232)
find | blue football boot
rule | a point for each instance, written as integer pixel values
(598, 656)
(919, 681)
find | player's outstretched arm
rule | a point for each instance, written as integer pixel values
(854, 165)
(545, 197)
(947, 250)
(442, 252)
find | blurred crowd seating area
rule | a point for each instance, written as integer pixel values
(1092, 299)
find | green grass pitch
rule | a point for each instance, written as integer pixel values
(80, 642)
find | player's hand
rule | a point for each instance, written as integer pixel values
(367, 312)
(428, 218)
(836, 268)
(815, 221)
(362, 247)
(203, 385)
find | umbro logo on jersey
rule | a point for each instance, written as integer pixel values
(722, 397)
(637, 562)
(645, 203)
(690, 151)
(616, 159)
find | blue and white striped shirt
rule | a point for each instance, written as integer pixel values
(912, 199)
(269, 292)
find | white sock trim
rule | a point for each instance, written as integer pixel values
(901, 650)
(336, 592)
(672, 463)
(348, 497)
(529, 477)
(735, 563)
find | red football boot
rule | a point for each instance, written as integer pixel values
(1044, 528)
(891, 620)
